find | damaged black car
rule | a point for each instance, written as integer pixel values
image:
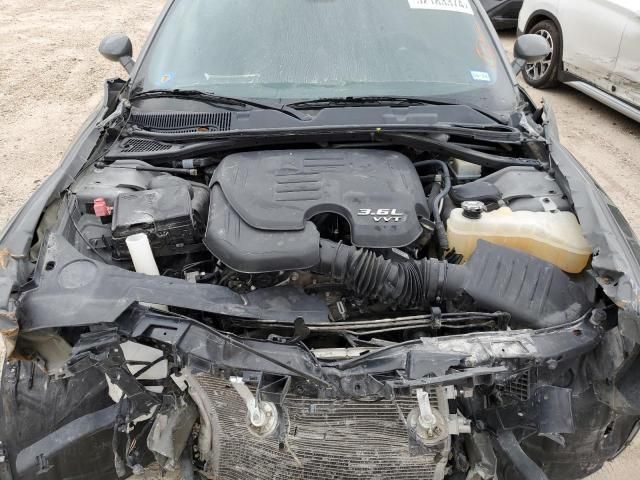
(318, 240)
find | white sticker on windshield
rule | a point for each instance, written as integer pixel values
(461, 6)
(480, 76)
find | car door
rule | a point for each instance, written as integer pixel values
(626, 78)
(592, 34)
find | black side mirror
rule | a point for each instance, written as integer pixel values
(529, 49)
(118, 48)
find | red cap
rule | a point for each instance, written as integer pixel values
(101, 208)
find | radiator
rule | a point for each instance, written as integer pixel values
(325, 439)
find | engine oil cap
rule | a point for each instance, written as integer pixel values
(473, 209)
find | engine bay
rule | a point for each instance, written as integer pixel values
(353, 234)
(382, 264)
(280, 293)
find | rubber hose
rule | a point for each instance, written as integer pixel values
(446, 177)
(409, 283)
(543, 295)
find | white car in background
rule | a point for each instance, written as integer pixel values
(595, 48)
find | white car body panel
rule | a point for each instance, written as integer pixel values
(601, 46)
(531, 7)
(586, 54)
(627, 71)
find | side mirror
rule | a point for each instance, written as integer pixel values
(118, 48)
(529, 48)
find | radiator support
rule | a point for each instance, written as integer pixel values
(318, 439)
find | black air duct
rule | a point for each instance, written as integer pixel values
(537, 294)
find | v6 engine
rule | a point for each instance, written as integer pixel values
(263, 205)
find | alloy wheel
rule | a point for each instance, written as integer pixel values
(537, 70)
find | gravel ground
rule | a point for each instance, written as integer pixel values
(51, 78)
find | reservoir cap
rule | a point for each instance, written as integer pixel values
(473, 209)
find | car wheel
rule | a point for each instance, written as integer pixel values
(32, 406)
(544, 74)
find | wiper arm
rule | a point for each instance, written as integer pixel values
(213, 99)
(351, 101)
(383, 100)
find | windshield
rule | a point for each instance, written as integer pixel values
(306, 49)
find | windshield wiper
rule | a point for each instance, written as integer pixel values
(213, 99)
(384, 100)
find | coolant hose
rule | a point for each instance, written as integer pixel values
(435, 203)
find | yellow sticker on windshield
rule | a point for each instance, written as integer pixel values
(461, 6)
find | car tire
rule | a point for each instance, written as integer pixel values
(32, 406)
(544, 74)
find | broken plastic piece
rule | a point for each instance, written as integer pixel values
(458, 424)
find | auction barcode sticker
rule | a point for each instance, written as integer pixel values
(461, 6)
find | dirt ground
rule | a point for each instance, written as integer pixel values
(51, 77)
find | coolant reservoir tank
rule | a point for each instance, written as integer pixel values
(552, 236)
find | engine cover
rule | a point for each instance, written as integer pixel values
(262, 203)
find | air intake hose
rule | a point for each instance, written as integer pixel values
(537, 294)
(406, 284)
